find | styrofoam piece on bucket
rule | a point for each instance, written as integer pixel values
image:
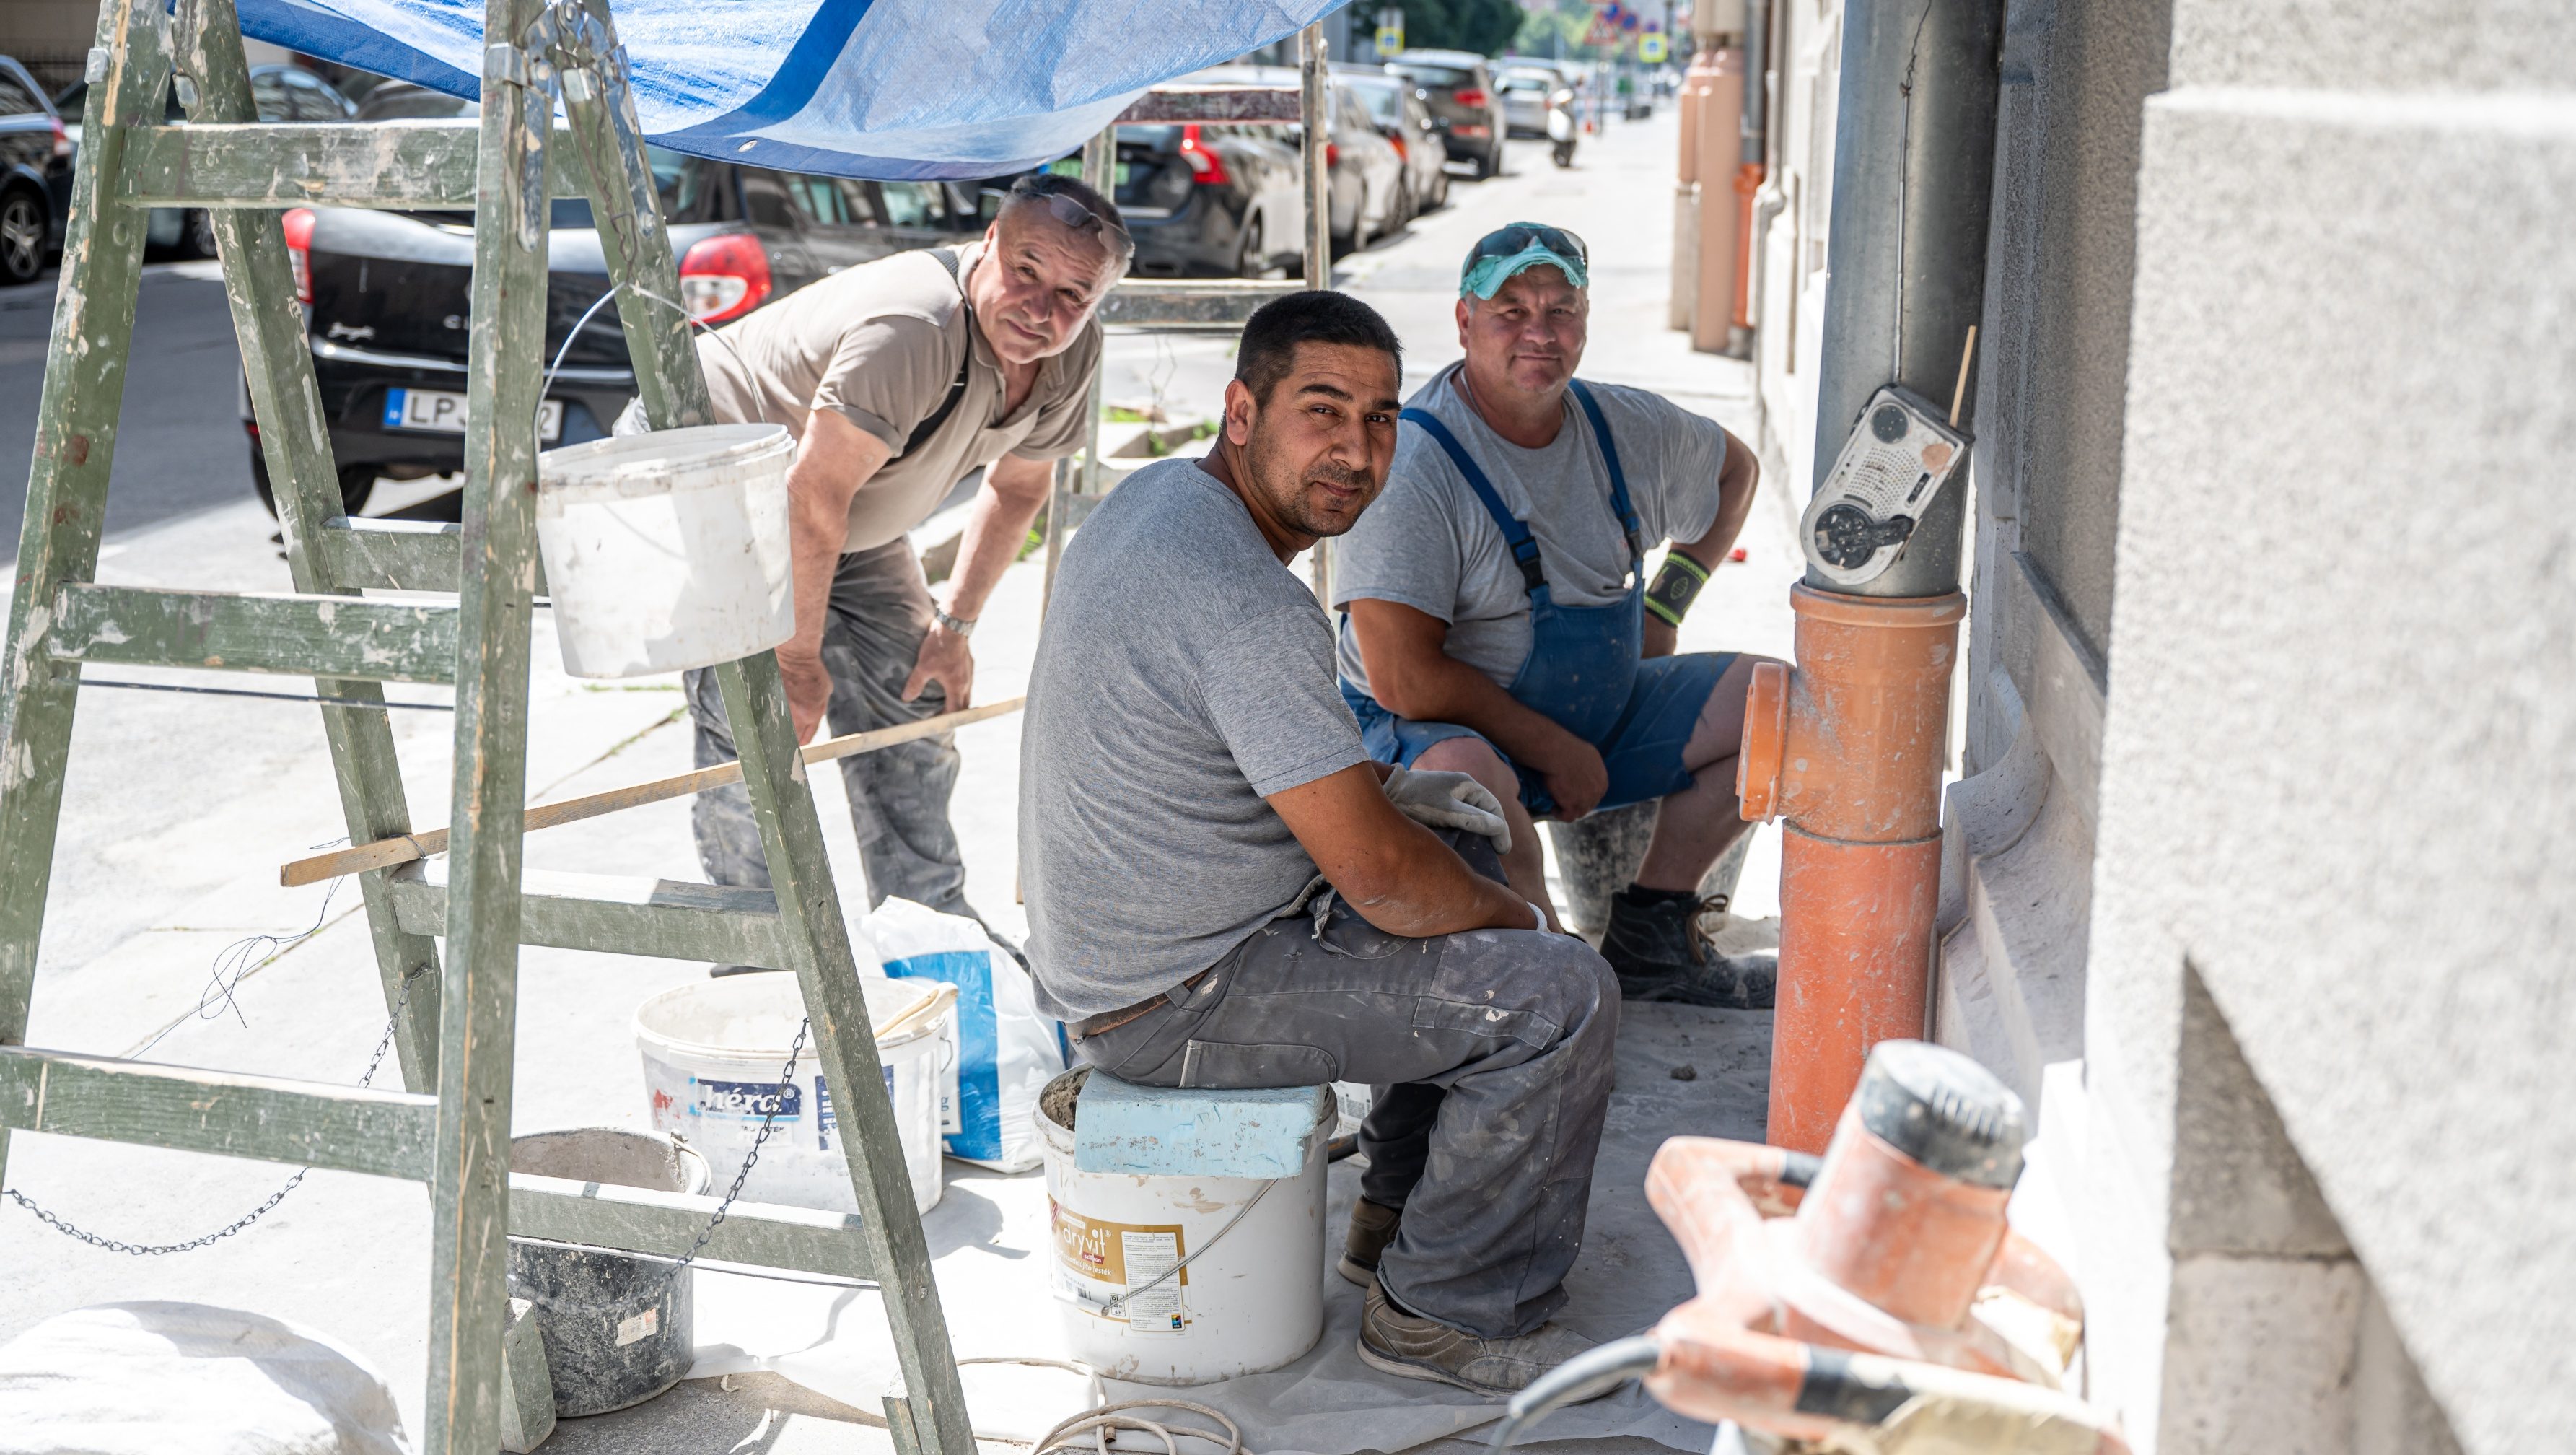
(667, 550)
(712, 1053)
(1155, 1131)
(1252, 1295)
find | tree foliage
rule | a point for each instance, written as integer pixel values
(1486, 27)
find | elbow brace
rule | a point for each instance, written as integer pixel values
(1677, 585)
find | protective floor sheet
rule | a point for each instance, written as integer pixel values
(989, 1241)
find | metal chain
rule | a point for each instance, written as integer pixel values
(768, 1124)
(255, 1214)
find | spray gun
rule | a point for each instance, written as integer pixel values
(1860, 1301)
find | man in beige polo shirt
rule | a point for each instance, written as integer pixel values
(900, 377)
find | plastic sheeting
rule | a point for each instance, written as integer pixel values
(885, 89)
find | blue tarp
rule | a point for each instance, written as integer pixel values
(887, 89)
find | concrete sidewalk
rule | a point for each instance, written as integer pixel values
(179, 809)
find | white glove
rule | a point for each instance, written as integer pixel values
(1449, 801)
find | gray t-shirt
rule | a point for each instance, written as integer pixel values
(1182, 674)
(1427, 543)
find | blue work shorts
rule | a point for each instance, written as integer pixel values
(1643, 749)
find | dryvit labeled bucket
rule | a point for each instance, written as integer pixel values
(1182, 1278)
(712, 1054)
(667, 550)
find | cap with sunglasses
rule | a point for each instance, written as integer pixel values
(1508, 250)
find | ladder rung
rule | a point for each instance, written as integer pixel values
(256, 631)
(346, 1128)
(615, 914)
(765, 1235)
(367, 554)
(1167, 304)
(385, 164)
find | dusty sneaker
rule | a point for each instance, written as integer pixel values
(1655, 942)
(1414, 1347)
(1372, 1228)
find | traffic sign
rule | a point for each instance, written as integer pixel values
(1650, 48)
(1603, 34)
(1390, 31)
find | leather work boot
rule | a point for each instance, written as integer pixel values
(1655, 942)
(1372, 1228)
(1418, 1348)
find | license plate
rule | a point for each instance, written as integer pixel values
(443, 412)
(1072, 167)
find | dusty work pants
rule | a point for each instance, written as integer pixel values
(880, 611)
(1489, 1054)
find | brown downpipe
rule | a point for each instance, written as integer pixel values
(1750, 171)
(1847, 747)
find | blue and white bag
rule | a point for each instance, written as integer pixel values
(1006, 1050)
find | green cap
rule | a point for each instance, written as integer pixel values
(1508, 250)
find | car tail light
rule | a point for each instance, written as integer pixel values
(1332, 155)
(724, 277)
(62, 138)
(1397, 142)
(1468, 96)
(1206, 167)
(299, 250)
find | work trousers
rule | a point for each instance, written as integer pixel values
(879, 612)
(1489, 1057)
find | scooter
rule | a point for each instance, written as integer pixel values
(1560, 127)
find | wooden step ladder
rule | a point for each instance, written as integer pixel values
(453, 1024)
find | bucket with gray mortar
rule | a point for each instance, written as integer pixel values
(616, 1325)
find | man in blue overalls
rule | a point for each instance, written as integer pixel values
(1498, 621)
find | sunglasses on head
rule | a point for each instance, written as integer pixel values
(1078, 217)
(1521, 236)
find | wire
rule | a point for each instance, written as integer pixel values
(88, 682)
(1588, 1375)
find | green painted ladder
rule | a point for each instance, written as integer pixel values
(455, 1028)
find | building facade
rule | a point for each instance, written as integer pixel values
(2260, 867)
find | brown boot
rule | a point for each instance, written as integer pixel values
(1372, 1228)
(1414, 1347)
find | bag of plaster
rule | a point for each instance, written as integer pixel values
(1006, 1049)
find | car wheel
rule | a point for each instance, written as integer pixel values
(22, 236)
(1252, 260)
(1360, 224)
(1439, 192)
(357, 482)
(198, 232)
(1484, 165)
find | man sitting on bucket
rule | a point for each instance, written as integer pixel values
(1499, 622)
(1224, 891)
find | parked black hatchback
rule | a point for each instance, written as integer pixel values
(1458, 86)
(35, 175)
(1200, 197)
(387, 295)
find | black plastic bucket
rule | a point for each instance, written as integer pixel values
(616, 1325)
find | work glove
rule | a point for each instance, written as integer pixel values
(1449, 801)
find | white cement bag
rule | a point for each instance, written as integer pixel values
(1006, 1050)
(189, 1379)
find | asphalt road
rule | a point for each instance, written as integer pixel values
(181, 449)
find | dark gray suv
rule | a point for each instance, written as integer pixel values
(1458, 86)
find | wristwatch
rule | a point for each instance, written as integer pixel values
(962, 628)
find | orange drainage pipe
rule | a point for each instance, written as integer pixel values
(1847, 749)
(1748, 182)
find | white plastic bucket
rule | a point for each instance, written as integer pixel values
(1249, 1301)
(667, 550)
(712, 1054)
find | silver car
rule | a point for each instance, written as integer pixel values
(1525, 93)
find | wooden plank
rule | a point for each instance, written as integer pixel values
(269, 1118)
(76, 421)
(528, 1415)
(1313, 74)
(387, 852)
(845, 1045)
(368, 554)
(616, 914)
(762, 1235)
(1231, 104)
(470, 1194)
(277, 374)
(2066, 694)
(426, 164)
(255, 631)
(1172, 304)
